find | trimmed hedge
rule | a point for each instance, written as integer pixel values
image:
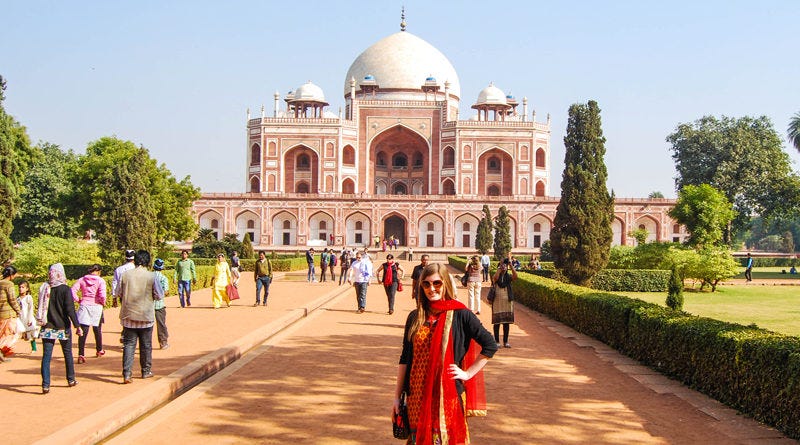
(631, 280)
(750, 369)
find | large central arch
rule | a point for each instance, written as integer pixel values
(400, 159)
(394, 225)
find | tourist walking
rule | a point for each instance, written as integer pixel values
(392, 274)
(473, 272)
(27, 327)
(235, 270)
(344, 265)
(263, 277)
(748, 271)
(219, 283)
(139, 290)
(416, 273)
(185, 275)
(323, 264)
(56, 315)
(128, 265)
(332, 260)
(440, 368)
(310, 261)
(90, 292)
(160, 306)
(360, 274)
(9, 312)
(485, 263)
(503, 304)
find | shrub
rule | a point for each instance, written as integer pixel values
(35, 256)
(631, 280)
(675, 291)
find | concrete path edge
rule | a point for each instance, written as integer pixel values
(104, 423)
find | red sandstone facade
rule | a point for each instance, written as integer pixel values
(399, 162)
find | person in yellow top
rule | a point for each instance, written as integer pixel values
(219, 282)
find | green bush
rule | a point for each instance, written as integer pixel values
(769, 262)
(622, 280)
(35, 256)
(750, 369)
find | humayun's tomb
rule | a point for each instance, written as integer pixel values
(398, 160)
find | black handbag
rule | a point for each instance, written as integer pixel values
(464, 280)
(490, 295)
(400, 427)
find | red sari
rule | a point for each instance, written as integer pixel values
(442, 413)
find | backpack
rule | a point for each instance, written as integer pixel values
(334, 260)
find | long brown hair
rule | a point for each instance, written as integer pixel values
(423, 304)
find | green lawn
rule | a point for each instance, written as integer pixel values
(776, 308)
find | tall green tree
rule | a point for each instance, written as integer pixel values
(502, 234)
(16, 155)
(484, 239)
(794, 131)
(706, 213)
(46, 207)
(742, 158)
(581, 234)
(247, 247)
(128, 199)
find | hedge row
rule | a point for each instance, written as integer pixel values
(631, 280)
(771, 262)
(749, 369)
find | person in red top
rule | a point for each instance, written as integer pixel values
(392, 274)
(445, 348)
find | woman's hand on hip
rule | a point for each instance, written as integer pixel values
(457, 373)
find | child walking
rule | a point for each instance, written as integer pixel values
(27, 327)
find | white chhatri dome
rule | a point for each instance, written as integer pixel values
(309, 92)
(492, 95)
(403, 61)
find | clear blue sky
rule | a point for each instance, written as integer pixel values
(178, 76)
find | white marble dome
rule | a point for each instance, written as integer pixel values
(491, 95)
(309, 92)
(403, 61)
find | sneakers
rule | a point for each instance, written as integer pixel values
(45, 389)
(72, 383)
(165, 346)
(256, 304)
(147, 375)
(360, 310)
(100, 353)
(506, 345)
(127, 380)
(81, 359)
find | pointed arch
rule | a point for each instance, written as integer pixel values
(302, 166)
(349, 155)
(211, 219)
(320, 226)
(466, 228)
(255, 185)
(448, 157)
(448, 187)
(284, 229)
(495, 173)
(538, 230)
(348, 186)
(255, 154)
(431, 228)
(541, 158)
(540, 188)
(357, 231)
(649, 223)
(248, 222)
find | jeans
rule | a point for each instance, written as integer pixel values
(262, 282)
(185, 287)
(311, 274)
(129, 339)
(47, 355)
(485, 272)
(324, 273)
(343, 275)
(98, 338)
(361, 294)
(390, 293)
(161, 327)
(748, 274)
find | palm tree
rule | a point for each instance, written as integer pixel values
(794, 131)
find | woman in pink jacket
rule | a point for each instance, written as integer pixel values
(92, 298)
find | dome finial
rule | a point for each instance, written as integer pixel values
(403, 18)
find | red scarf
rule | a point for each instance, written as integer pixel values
(450, 421)
(387, 274)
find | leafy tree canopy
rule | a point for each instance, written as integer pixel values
(743, 158)
(46, 207)
(130, 200)
(37, 254)
(705, 212)
(16, 156)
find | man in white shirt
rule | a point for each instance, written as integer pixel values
(118, 274)
(485, 262)
(359, 274)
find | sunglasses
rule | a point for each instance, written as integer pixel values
(427, 284)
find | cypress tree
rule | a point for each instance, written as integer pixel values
(483, 239)
(247, 247)
(675, 291)
(581, 235)
(502, 234)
